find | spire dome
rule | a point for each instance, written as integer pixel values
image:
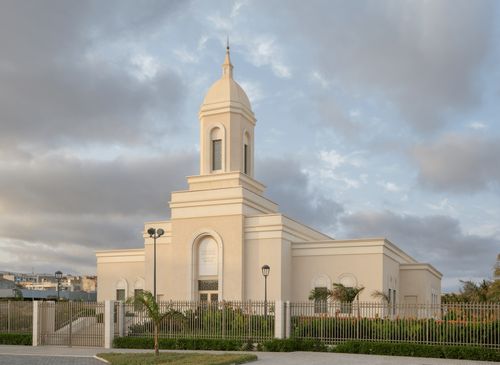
(226, 92)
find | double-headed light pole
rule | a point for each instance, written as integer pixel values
(265, 271)
(154, 234)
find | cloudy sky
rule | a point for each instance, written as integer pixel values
(374, 119)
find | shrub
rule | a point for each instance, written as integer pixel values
(16, 339)
(293, 344)
(179, 343)
(419, 350)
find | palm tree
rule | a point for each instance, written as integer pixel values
(385, 297)
(346, 294)
(320, 294)
(378, 294)
(147, 301)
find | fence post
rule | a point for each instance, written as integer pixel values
(288, 319)
(278, 319)
(121, 319)
(8, 316)
(35, 323)
(109, 323)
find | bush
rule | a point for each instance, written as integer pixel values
(419, 350)
(293, 344)
(16, 339)
(179, 343)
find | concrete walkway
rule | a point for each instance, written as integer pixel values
(265, 358)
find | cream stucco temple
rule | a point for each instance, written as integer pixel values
(222, 230)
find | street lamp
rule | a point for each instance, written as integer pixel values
(58, 276)
(154, 234)
(265, 271)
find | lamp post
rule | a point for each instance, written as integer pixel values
(265, 271)
(154, 234)
(58, 274)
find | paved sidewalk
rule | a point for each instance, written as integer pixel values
(265, 358)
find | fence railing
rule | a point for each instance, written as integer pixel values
(330, 322)
(224, 319)
(450, 324)
(16, 317)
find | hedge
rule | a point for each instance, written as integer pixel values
(180, 344)
(419, 350)
(16, 339)
(293, 344)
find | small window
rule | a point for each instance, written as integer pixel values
(245, 159)
(217, 154)
(321, 300)
(393, 301)
(120, 294)
(137, 306)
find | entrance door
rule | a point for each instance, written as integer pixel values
(209, 296)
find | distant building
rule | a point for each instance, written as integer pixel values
(44, 286)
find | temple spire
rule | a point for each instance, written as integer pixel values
(227, 67)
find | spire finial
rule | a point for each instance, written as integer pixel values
(227, 67)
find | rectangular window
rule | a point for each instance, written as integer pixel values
(217, 154)
(120, 294)
(245, 159)
(137, 306)
(393, 301)
(321, 301)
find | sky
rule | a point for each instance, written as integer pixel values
(374, 119)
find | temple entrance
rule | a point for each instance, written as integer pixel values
(209, 296)
(208, 290)
(208, 283)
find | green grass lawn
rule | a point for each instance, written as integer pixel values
(175, 358)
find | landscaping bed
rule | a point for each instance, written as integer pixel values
(173, 358)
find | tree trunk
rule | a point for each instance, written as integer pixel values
(157, 352)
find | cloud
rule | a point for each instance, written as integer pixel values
(459, 163)
(59, 87)
(439, 239)
(263, 51)
(477, 125)
(78, 206)
(73, 186)
(289, 186)
(422, 57)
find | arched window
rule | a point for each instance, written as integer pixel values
(121, 290)
(321, 284)
(246, 154)
(216, 148)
